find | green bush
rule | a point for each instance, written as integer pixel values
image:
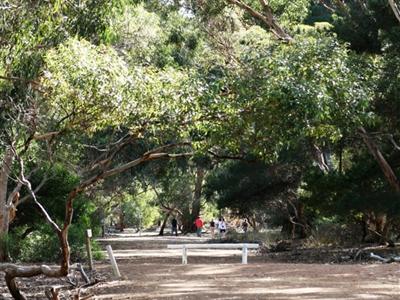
(335, 233)
(264, 237)
(43, 246)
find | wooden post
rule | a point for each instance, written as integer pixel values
(113, 261)
(244, 254)
(184, 255)
(89, 248)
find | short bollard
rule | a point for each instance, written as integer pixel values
(184, 256)
(113, 261)
(244, 254)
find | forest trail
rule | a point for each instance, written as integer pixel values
(151, 271)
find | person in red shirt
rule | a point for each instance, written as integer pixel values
(199, 226)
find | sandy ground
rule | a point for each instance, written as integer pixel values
(153, 272)
(150, 271)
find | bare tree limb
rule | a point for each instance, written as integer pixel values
(37, 188)
(27, 183)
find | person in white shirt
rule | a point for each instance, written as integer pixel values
(222, 227)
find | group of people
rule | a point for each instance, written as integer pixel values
(218, 226)
(215, 226)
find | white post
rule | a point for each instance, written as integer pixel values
(184, 255)
(244, 254)
(113, 261)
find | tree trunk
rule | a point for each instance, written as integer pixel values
(385, 233)
(4, 226)
(303, 230)
(164, 223)
(196, 205)
(5, 170)
(65, 252)
(188, 222)
(341, 158)
(319, 158)
(384, 165)
(253, 223)
(13, 288)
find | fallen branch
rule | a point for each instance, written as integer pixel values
(83, 274)
(13, 271)
(385, 260)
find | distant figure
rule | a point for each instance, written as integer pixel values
(212, 228)
(222, 227)
(245, 226)
(199, 226)
(174, 224)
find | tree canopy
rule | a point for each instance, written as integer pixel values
(281, 111)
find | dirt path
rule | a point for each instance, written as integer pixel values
(153, 272)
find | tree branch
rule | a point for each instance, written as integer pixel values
(384, 165)
(27, 183)
(45, 136)
(219, 156)
(38, 187)
(147, 156)
(267, 18)
(395, 8)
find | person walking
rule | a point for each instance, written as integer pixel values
(174, 224)
(212, 228)
(222, 227)
(245, 226)
(199, 225)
